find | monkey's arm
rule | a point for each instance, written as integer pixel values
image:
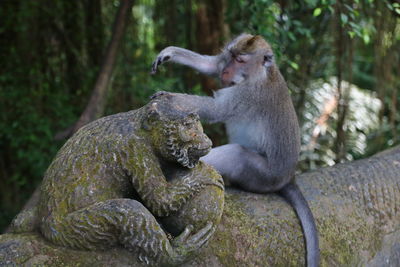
(202, 63)
(159, 196)
(211, 109)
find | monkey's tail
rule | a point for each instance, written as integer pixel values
(291, 192)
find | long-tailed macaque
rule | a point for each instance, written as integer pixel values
(255, 105)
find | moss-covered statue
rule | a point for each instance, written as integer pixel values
(118, 177)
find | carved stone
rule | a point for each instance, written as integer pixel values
(117, 178)
(356, 206)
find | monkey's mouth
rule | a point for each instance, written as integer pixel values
(193, 156)
(234, 81)
(198, 152)
(228, 83)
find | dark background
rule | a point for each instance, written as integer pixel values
(64, 60)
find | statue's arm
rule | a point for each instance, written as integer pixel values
(157, 194)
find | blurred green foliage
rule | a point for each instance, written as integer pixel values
(51, 52)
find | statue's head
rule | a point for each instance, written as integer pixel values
(176, 135)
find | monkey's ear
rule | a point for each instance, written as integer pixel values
(268, 59)
(152, 115)
(252, 40)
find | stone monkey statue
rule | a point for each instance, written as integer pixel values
(117, 177)
(262, 126)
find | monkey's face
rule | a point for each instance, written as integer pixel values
(236, 70)
(248, 56)
(184, 141)
(194, 142)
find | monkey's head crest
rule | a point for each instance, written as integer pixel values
(249, 44)
(161, 110)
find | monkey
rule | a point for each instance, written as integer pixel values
(106, 187)
(259, 116)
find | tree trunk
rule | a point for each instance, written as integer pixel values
(344, 49)
(210, 34)
(98, 98)
(356, 206)
(94, 32)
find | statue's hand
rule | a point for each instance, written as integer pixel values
(185, 244)
(199, 181)
(216, 182)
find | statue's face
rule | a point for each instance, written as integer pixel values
(186, 141)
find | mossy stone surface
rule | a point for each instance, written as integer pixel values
(355, 205)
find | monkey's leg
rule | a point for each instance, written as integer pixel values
(245, 168)
(250, 171)
(122, 221)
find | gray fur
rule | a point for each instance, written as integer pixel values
(262, 126)
(259, 116)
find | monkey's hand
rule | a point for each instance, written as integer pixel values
(186, 244)
(165, 55)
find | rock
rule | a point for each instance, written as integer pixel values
(356, 205)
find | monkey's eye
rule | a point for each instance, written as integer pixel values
(268, 58)
(189, 125)
(239, 59)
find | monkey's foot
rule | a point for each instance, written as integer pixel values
(159, 94)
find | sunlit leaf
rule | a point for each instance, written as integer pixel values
(366, 38)
(317, 12)
(294, 65)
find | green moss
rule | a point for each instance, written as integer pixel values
(234, 220)
(91, 192)
(345, 241)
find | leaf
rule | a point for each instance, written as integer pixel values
(312, 3)
(291, 36)
(354, 25)
(294, 65)
(350, 8)
(344, 18)
(366, 38)
(317, 12)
